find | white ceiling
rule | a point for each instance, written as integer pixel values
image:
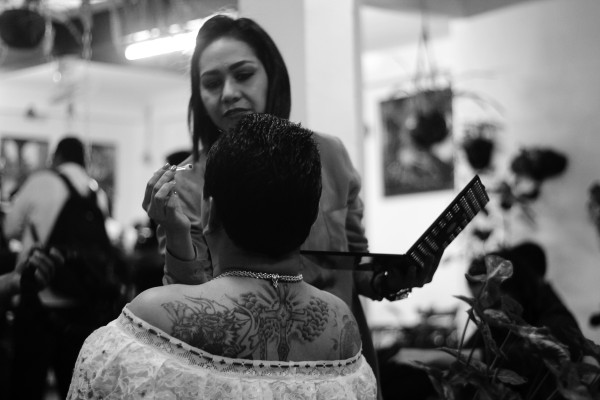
(384, 23)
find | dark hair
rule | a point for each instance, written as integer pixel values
(265, 180)
(532, 255)
(529, 267)
(246, 30)
(177, 157)
(70, 149)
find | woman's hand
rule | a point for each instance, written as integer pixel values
(161, 201)
(395, 275)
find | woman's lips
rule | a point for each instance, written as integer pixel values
(236, 112)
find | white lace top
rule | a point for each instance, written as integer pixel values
(130, 359)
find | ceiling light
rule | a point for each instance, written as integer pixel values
(161, 45)
(150, 43)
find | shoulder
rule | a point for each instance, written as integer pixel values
(150, 305)
(41, 181)
(42, 176)
(345, 331)
(333, 151)
(77, 176)
(328, 142)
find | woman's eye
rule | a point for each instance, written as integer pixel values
(244, 75)
(211, 84)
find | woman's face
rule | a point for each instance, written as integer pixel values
(233, 82)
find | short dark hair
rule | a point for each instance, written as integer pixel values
(265, 180)
(533, 255)
(529, 266)
(70, 149)
(246, 30)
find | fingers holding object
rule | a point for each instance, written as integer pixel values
(163, 175)
(164, 197)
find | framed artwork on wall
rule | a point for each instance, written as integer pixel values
(19, 157)
(102, 167)
(418, 153)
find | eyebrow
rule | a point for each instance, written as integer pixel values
(231, 67)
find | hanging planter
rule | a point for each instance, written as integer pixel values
(417, 152)
(538, 164)
(429, 125)
(479, 145)
(22, 28)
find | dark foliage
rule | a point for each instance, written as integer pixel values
(539, 163)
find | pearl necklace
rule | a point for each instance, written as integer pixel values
(275, 278)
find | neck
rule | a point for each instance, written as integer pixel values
(233, 258)
(227, 256)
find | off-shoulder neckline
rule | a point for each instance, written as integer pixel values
(128, 317)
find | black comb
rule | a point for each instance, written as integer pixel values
(447, 226)
(451, 222)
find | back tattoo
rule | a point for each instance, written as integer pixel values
(246, 327)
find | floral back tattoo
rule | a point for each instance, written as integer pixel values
(252, 321)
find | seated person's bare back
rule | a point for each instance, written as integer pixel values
(252, 319)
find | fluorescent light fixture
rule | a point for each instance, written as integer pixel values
(161, 45)
(150, 43)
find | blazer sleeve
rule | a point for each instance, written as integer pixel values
(189, 187)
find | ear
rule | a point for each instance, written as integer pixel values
(208, 216)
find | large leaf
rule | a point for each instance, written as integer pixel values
(591, 349)
(587, 372)
(479, 278)
(491, 295)
(570, 384)
(512, 308)
(469, 300)
(477, 375)
(510, 377)
(550, 349)
(497, 318)
(497, 268)
(490, 344)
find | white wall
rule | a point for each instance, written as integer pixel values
(323, 61)
(142, 114)
(539, 60)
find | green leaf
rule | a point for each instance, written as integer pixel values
(587, 372)
(511, 307)
(498, 269)
(510, 377)
(497, 318)
(490, 343)
(469, 300)
(552, 351)
(591, 349)
(479, 278)
(491, 294)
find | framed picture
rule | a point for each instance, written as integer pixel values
(19, 157)
(102, 167)
(418, 153)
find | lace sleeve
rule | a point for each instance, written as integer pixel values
(130, 359)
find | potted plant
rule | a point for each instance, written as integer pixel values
(489, 377)
(479, 144)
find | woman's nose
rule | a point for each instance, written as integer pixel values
(231, 91)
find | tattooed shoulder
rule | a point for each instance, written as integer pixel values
(264, 325)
